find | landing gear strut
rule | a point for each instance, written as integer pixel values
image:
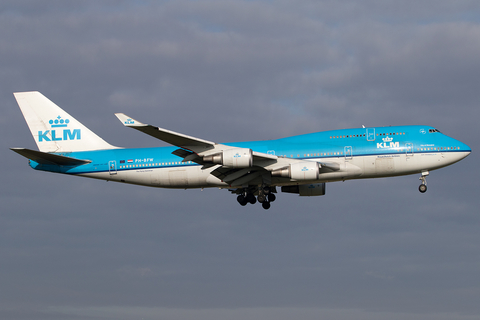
(423, 187)
(265, 196)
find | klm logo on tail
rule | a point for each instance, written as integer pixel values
(57, 134)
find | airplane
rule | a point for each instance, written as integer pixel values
(252, 170)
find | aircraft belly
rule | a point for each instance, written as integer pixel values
(183, 177)
(95, 175)
(385, 166)
(349, 170)
(138, 176)
(440, 160)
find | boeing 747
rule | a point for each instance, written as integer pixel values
(251, 170)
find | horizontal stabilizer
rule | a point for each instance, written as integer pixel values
(49, 158)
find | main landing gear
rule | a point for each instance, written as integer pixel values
(423, 187)
(245, 198)
(265, 196)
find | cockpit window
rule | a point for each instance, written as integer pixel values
(433, 130)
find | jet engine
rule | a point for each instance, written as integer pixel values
(305, 170)
(232, 158)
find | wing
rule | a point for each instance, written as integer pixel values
(221, 158)
(196, 149)
(174, 138)
(197, 146)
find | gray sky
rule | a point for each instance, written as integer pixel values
(74, 248)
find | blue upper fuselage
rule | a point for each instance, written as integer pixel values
(326, 144)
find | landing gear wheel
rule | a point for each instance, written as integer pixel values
(251, 198)
(241, 199)
(266, 205)
(271, 197)
(261, 198)
(422, 188)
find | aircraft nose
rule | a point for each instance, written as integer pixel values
(465, 149)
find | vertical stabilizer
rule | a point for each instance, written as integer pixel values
(53, 129)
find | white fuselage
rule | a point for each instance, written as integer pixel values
(359, 167)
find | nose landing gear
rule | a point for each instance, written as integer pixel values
(423, 187)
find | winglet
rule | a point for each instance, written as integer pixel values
(129, 122)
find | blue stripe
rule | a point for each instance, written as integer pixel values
(314, 143)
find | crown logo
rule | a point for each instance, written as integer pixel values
(59, 122)
(387, 139)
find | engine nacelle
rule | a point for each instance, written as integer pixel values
(232, 158)
(306, 190)
(305, 170)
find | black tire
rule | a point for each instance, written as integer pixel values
(266, 205)
(251, 198)
(422, 188)
(241, 199)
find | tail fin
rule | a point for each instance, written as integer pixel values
(53, 129)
